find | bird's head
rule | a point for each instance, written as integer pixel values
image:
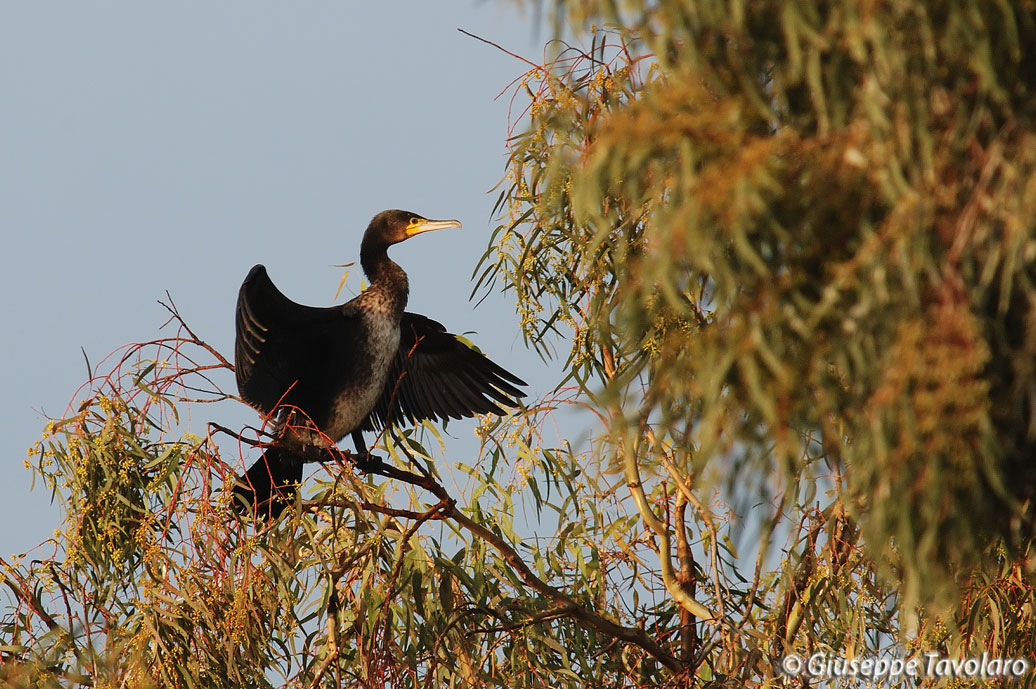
(392, 227)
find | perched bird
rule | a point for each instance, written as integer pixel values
(324, 373)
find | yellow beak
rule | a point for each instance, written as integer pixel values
(421, 225)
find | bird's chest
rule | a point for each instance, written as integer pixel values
(354, 403)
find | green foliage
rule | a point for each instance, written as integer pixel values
(804, 220)
(794, 240)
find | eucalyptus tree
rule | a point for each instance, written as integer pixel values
(782, 256)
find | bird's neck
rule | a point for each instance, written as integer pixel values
(386, 278)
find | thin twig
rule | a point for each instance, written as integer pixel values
(504, 50)
(171, 308)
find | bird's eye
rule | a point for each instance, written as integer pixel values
(414, 222)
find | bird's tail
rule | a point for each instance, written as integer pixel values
(269, 485)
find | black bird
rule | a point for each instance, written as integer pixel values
(324, 373)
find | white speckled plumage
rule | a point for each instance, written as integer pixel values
(380, 309)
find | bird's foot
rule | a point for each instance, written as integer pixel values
(368, 463)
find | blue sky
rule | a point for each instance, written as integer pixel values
(147, 147)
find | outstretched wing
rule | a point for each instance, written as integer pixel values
(288, 353)
(437, 376)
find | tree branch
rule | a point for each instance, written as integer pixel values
(582, 615)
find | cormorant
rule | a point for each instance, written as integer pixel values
(324, 373)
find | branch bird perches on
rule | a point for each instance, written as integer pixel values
(325, 373)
